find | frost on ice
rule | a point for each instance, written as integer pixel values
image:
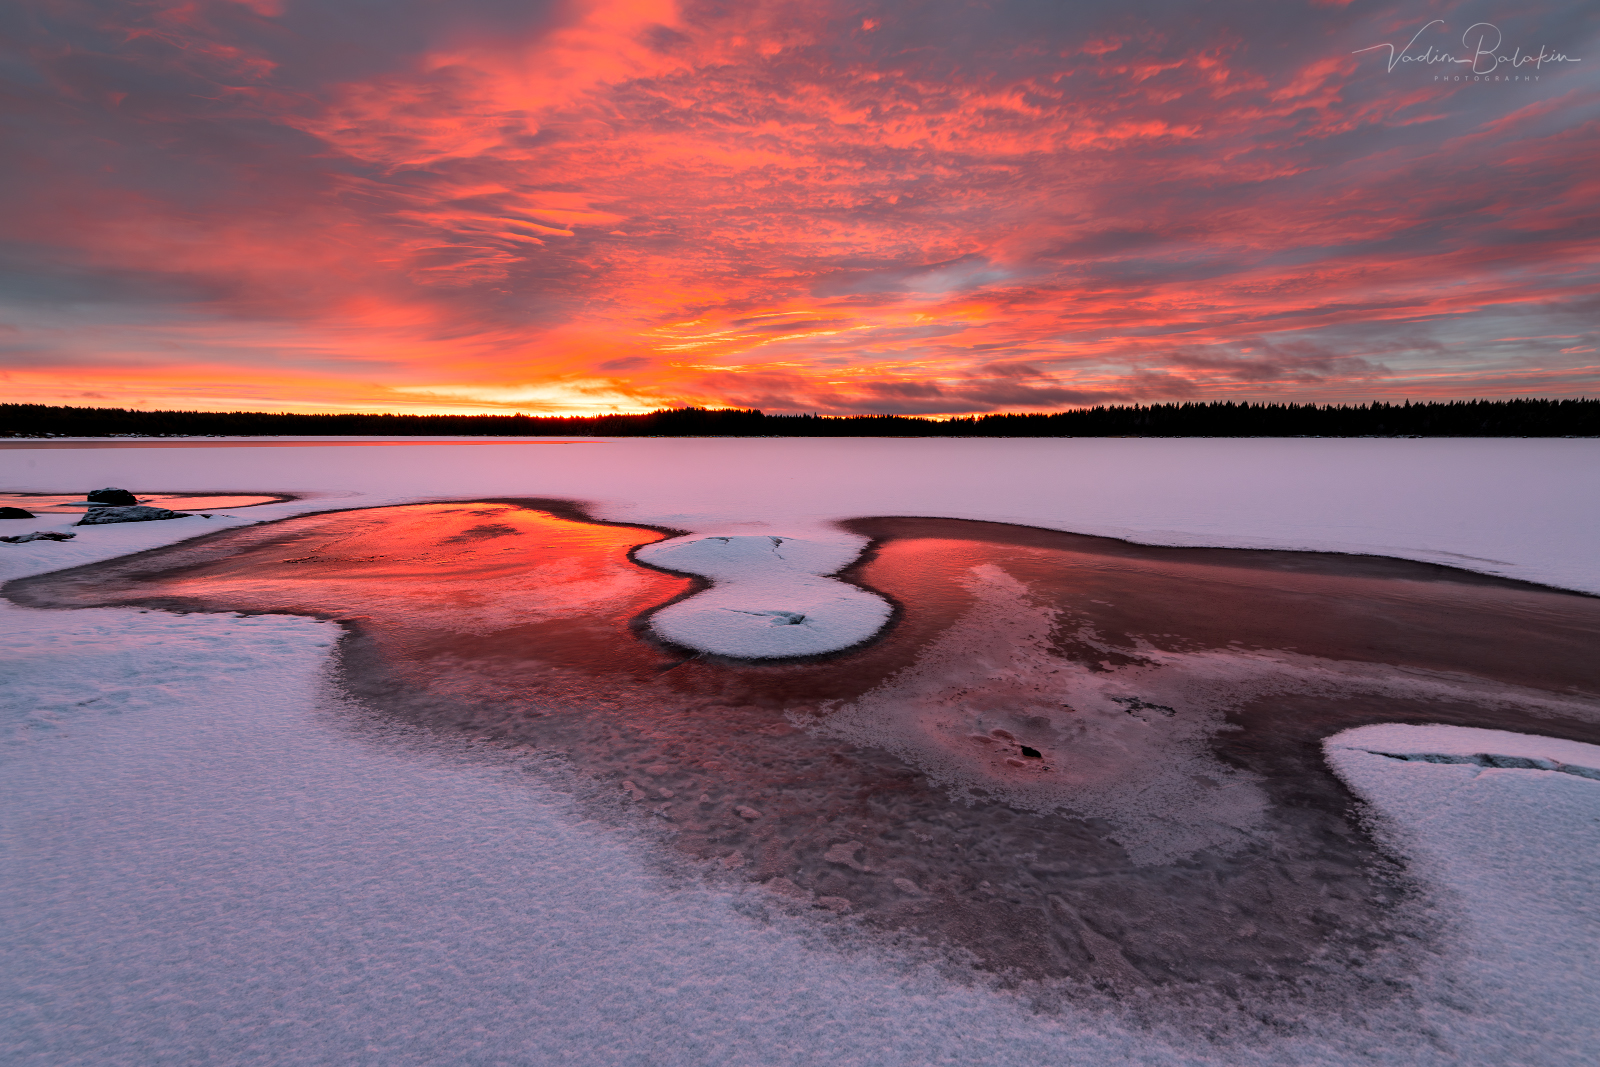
(1086, 744)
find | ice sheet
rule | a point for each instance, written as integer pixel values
(1520, 508)
(208, 865)
(1140, 765)
(204, 868)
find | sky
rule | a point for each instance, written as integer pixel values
(932, 208)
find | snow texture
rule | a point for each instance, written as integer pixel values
(1510, 823)
(770, 597)
(205, 868)
(209, 861)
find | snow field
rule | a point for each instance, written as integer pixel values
(1518, 848)
(1520, 508)
(207, 862)
(206, 867)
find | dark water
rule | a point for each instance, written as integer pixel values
(1072, 759)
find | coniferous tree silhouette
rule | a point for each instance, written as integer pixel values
(1460, 418)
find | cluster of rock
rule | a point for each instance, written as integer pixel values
(39, 535)
(105, 506)
(119, 505)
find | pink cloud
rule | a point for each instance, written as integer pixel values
(950, 210)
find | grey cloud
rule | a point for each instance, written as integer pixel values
(955, 275)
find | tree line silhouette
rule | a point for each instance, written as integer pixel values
(1457, 418)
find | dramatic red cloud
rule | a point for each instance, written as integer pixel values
(935, 208)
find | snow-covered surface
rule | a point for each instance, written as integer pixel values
(1525, 509)
(770, 596)
(207, 864)
(1519, 849)
(203, 868)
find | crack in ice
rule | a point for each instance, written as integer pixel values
(1486, 760)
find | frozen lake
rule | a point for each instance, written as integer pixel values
(1067, 804)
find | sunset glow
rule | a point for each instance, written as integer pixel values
(925, 208)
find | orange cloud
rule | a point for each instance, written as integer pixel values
(619, 205)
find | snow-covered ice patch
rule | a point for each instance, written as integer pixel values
(771, 597)
(1507, 826)
(91, 544)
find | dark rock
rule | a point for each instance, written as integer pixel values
(115, 498)
(15, 513)
(38, 535)
(137, 513)
(1031, 753)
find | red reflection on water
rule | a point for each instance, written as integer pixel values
(437, 584)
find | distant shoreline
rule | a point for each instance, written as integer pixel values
(1462, 418)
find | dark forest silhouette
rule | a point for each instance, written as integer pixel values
(1462, 418)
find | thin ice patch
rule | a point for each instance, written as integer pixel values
(990, 710)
